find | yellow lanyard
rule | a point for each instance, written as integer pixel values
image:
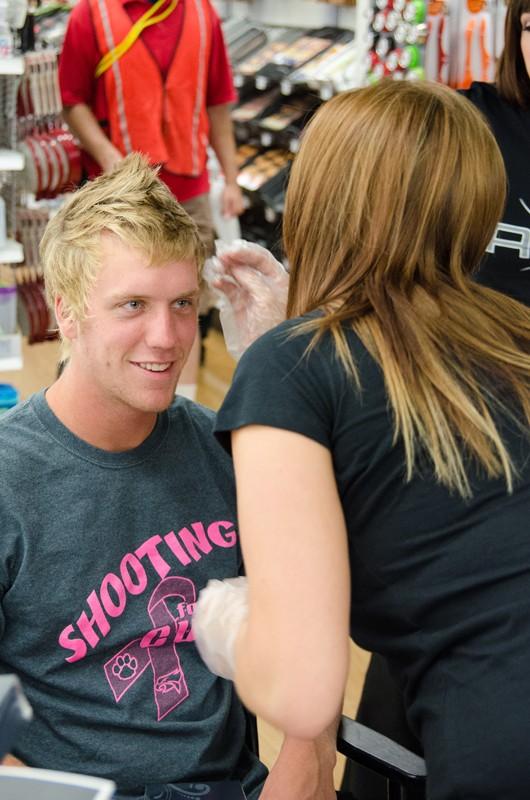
(145, 20)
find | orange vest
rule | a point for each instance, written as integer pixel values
(165, 120)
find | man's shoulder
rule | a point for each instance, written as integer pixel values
(192, 426)
(19, 417)
(19, 433)
(196, 414)
(191, 422)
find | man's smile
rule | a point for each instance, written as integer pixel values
(153, 366)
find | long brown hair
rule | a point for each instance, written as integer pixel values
(392, 201)
(513, 81)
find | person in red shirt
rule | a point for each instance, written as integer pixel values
(171, 90)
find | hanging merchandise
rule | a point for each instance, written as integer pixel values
(52, 157)
(398, 36)
(52, 165)
(33, 312)
(35, 318)
(11, 160)
(438, 41)
(475, 61)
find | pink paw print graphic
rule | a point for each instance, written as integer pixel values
(125, 667)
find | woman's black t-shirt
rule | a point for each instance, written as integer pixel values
(506, 266)
(440, 585)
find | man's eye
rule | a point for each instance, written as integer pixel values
(183, 303)
(133, 305)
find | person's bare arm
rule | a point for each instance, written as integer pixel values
(12, 761)
(84, 125)
(304, 769)
(223, 143)
(292, 653)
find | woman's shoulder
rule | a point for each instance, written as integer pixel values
(293, 337)
(483, 95)
(292, 350)
(486, 97)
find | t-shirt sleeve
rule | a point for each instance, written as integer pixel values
(278, 384)
(4, 586)
(11, 548)
(220, 84)
(79, 58)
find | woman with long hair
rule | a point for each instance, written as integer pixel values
(381, 448)
(506, 106)
(505, 267)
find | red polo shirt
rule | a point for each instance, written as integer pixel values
(80, 56)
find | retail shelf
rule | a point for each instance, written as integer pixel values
(10, 352)
(11, 253)
(13, 65)
(11, 160)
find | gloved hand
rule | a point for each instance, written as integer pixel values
(252, 286)
(220, 610)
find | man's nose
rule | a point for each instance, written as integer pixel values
(162, 329)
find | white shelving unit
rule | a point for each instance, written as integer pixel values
(12, 253)
(10, 352)
(11, 161)
(13, 65)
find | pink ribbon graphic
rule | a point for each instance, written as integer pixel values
(157, 648)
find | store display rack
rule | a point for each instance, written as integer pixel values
(276, 100)
(283, 74)
(11, 162)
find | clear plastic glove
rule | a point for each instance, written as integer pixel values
(252, 287)
(221, 609)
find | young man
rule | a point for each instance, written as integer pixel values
(116, 507)
(167, 95)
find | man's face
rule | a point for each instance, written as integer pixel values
(139, 328)
(525, 40)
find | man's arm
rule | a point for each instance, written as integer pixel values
(83, 124)
(223, 143)
(79, 58)
(304, 769)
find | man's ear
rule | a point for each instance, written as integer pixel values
(67, 325)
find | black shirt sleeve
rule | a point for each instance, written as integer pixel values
(278, 384)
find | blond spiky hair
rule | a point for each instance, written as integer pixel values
(130, 202)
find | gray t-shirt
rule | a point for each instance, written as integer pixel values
(102, 556)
